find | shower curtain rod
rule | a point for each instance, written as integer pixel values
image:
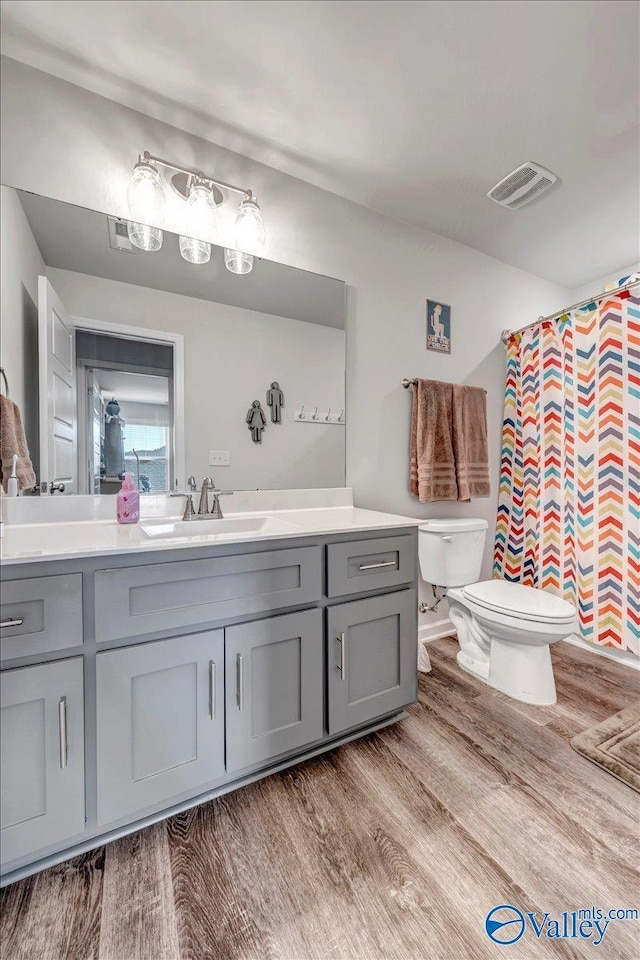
(504, 336)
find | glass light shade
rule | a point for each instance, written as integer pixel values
(202, 218)
(145, 195)
(202, 212)
(144, 237)
(195, 251)
(237, 262)
(250, 235)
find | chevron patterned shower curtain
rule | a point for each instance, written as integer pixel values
(569, 507)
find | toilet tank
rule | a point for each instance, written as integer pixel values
(450, 551)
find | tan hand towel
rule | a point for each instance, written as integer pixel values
(470, 445)
(13, 441)
(433, 470)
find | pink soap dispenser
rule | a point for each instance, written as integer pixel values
(128, 507)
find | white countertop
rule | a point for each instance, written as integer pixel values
(32, 542)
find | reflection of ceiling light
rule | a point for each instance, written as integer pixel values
(238, 262)
(146, 206)
(147, 238)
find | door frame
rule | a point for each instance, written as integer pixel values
(176, 340)
(49, 303)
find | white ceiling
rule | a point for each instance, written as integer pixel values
(414, 109)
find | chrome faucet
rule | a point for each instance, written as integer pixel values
(203, 506)
(203, 512)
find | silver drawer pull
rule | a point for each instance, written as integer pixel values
(212, 689)
(377, 566)
(62, 730)
(12, 623)
(240, 682)
(342, 667)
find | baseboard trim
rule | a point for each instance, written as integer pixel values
(625, 657)
(429, 632)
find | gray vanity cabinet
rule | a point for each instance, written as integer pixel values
(201, 670)
(371, 658)
(160, 722)
(274, 699)
(41, 757)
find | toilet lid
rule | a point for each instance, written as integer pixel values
(527, 603)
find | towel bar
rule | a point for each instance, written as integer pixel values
(6, 382)
(411, 383)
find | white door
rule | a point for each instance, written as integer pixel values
(58, 412)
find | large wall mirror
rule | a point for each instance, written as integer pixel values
(126, 360)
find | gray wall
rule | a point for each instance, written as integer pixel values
(597, 286)
(73, 145)
(231, 355)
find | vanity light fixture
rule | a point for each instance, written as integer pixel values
(203, 194)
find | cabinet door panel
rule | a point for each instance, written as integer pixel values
(372, 658)
(274, 687)
(42, 757)
(160, 722)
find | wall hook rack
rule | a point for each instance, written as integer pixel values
(326, 418)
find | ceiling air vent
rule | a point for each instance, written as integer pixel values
(522, 185)
(119, 236)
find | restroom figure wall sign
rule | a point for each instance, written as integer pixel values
(256, 421)
(275, 400)
(438, 326)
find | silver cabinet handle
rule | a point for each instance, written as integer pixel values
(342, 667)
(212, 689)
(377, 566)
(62, 730)
(12, 623)
(240, 682)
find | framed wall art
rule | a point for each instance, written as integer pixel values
(438, 326)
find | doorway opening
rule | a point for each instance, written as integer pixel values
(127, 419)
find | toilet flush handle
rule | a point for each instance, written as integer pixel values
(448, 539)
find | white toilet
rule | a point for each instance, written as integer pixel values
(504, 629)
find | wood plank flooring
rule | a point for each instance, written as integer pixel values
(395, 846)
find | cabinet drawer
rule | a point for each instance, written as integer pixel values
(171, 596)
(360, 566)
(40, 614)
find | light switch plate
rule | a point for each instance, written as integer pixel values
(219, 458)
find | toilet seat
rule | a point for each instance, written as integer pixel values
(520, 602)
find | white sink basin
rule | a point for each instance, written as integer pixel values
(229, 527)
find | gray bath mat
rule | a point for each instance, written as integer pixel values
(614, 745)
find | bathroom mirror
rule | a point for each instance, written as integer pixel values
(122, 359)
